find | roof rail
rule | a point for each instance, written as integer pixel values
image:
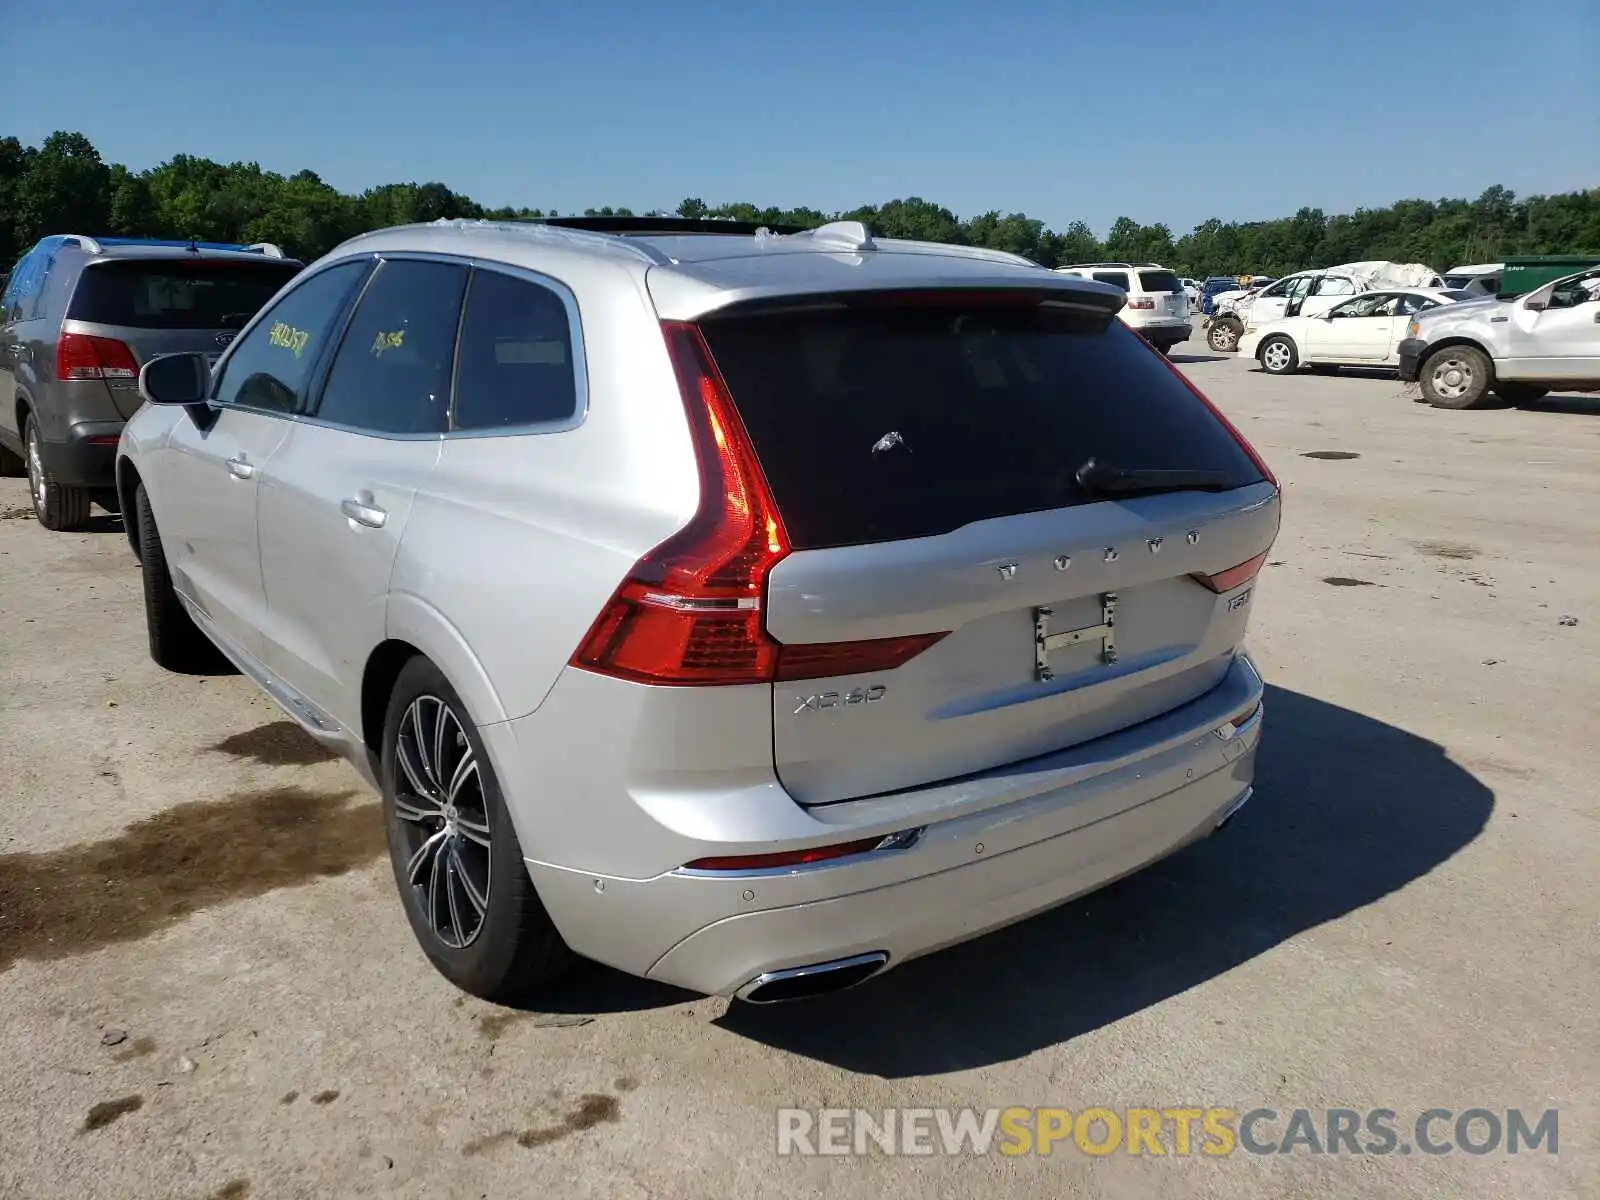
(662, 224)
(545, 232)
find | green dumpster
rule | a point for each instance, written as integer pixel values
(1522, 275)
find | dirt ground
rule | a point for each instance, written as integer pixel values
(209, 989)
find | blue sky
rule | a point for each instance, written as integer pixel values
(1162, 111)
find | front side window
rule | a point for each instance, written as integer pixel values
(391, 374)
(516, 360)
(1411, 303)
(1582, 290)
(270, 367)
(1334, 285)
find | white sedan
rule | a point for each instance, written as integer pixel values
(1364, 331)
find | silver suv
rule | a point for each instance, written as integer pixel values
(78, 317)
(747, 611)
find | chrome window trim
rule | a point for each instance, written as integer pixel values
(293, 285)
(473, 264)
(579, 364)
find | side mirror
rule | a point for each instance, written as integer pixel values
(1538, 301)
(175, 379)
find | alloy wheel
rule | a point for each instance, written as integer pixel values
(1276, 356)
(36, 481)
(440, 801)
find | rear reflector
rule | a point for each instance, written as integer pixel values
(1226, 581)
(81, 356)
(903, 840)
(690, 611)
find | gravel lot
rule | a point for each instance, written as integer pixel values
(1404, 917)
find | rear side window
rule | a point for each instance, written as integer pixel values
(168, 294)
(1159, 281)
(516, 360)
(26, 286)
(1114, 278)
(1334, 285)
(270, 367)
(392, 370)
(876, 423)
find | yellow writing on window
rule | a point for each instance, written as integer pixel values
(287, 337)
(387, 341)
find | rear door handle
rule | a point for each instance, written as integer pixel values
(240, 468)
(363, 514)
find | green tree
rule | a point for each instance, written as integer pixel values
(64, 190)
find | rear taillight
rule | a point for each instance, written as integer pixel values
(1141, 302)
(690, 612)
(1260, 463)
(1226, 581)
(80, 356)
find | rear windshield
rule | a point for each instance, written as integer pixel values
(168, 294)
(876, 423)
(1159, 281)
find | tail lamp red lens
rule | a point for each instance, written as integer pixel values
(82, 356)
(690, 613)
(1226, 581)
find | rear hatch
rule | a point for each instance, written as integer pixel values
(1172, 302)
(928, 461)
(126, 311)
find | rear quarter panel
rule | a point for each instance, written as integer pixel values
(517, 541)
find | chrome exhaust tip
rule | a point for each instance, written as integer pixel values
(801, 983)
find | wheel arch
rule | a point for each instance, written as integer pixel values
(415, 627)
(128, 480)
(1299, 356)
(1457, 339)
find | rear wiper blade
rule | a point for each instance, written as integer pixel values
(1101, 479)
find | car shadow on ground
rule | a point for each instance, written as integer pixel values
(1184, 359)
(1575, 403)
(1347, 810)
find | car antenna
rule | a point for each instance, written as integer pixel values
(194, 244)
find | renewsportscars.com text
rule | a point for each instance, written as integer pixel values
(1179, 1131)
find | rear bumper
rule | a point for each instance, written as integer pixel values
(1411, 358)
(1166, 335)
(88, 456)
(1056, 827)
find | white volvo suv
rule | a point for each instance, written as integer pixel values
(751, 611)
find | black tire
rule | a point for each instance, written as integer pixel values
(1520, 393)
(508, 950)
(1457, 377)
(1323, 368)
(1224, 333)
(176, 642)
(57, 506)
(1278, 355)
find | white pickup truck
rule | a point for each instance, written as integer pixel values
(1516, 349)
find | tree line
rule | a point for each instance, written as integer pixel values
(64, 186)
